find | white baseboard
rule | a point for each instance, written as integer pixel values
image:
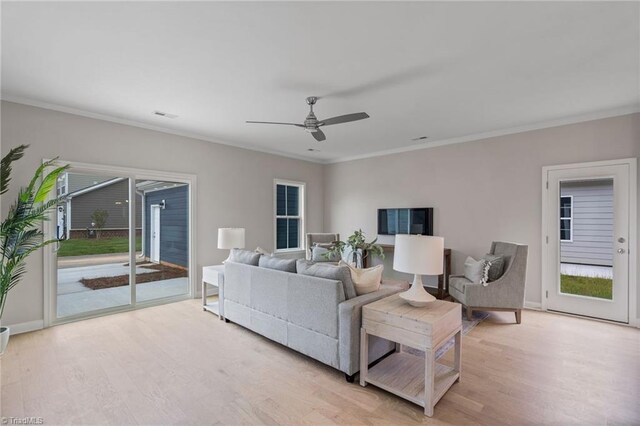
(25, 327)
(533, 305)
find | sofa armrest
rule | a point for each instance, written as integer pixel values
(350, 321)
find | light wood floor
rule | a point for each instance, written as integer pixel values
(176, 364)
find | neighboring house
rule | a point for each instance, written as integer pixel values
(166, 222)
(586, 222)
(83, 195)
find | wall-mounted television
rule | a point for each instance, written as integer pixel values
(417, 221)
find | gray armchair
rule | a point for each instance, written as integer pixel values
(504, 294)
(313, 238)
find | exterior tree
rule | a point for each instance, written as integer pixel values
(99, 220)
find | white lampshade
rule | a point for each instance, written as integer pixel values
(418, 254)
(230, 238)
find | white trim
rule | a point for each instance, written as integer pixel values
(68, 218)
(25, 327)
(633, 230)
(302, 201)
(570, 218)
(49, 267)
(132, 123)
(152, 225)
(532, 305)
(597, 115)
(617, 112)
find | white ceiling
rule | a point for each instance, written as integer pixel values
(444, 70)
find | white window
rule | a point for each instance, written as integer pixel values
(63, 184)
(289, 215)
(566, 218)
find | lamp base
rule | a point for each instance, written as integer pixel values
(417, 296)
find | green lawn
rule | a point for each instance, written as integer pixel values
(587, 286)
(83, 247)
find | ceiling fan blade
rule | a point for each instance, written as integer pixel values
(344, 119)
(319, 135)
(275, 122)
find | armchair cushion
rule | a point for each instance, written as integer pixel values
(496, 267)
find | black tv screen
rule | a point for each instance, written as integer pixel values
(418, 221)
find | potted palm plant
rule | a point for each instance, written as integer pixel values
(358, 247)
(20, 232)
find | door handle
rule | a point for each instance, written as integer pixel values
(621, 250)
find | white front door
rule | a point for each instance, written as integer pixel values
(155, 234)
(587, 240)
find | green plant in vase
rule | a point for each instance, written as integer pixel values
(20, 232)
(358, 246)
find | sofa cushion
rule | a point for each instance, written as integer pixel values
(330, 272)
(365, 280)
(247, 257)
(270, 262)
(497, 266)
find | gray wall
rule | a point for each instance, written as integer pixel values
(234, 187)
(105, 198)
(482, 191)
(592, 237)
(174, 224)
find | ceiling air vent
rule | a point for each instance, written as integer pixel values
(164, 114)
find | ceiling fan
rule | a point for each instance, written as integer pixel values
(312, 124)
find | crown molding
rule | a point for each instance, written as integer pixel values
(139, 124)
(632, 109)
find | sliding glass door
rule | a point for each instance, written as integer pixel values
(93, 253)
(163, 266)
(123, 241)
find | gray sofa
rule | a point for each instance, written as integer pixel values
(308, 314)
(504, 294)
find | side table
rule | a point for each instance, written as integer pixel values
(422, 381)
(213, 275)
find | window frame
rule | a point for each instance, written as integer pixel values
(569, 218)
(302, 197)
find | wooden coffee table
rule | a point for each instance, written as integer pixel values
(422, 381)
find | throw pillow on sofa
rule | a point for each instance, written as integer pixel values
(270, 262)
(263, 251)
(365, 280)
(330, 272)
(247, 257)
(477, 271)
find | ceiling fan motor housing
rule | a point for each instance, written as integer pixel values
(311, 122)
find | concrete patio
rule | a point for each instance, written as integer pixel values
(74, 298)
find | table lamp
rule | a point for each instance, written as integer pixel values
(230, 238)
(418, 255)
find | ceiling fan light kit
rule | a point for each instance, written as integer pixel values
(312, 124)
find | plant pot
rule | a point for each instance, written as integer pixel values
(4, 338)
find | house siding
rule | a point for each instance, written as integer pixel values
(78, 181)
(592, 223)
(105, 198)
(174, 224)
